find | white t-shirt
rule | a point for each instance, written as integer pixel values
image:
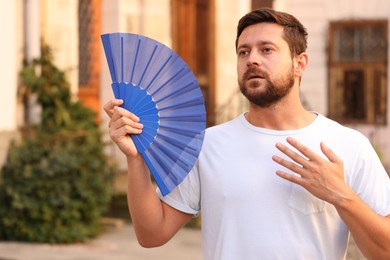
(248, 212)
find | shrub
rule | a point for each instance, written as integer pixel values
(56, 182)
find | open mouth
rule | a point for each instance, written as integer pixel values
(255, 76)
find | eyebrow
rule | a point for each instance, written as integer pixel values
(245, 45)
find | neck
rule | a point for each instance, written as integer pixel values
(288, 114)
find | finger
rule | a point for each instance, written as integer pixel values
(131, 127)
(304, 150)
(119, 122)
(288, 164)
(123, 117)
(124, 131)
(296, 157)
(292, 178)
(111, 105)
(121, 112)
(330, 154)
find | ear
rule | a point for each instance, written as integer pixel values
(300, 64)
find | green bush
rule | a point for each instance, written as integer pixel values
(56, 181)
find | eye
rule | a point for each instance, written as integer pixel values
(267, 50)
(242, 53)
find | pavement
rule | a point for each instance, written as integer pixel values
(119, 243)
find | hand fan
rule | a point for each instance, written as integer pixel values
(158, 86)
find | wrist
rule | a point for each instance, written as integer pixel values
(346, 201)
(134, 158)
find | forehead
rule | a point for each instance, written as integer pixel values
(262, 32)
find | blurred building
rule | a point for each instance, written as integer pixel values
(347, 78)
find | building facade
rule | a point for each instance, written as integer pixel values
(347, 77)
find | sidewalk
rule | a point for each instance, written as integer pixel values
(119, 243)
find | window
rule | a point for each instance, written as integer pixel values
(358, 71)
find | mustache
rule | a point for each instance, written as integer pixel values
(254, 71)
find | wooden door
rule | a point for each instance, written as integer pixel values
(192, 33)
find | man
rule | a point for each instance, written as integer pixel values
(277, 182)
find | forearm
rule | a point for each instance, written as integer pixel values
(145, 207)
(371, 232)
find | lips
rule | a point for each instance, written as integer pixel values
(257, 75)
(254, 76)
(253, 73)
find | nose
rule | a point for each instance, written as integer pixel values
(253, 59)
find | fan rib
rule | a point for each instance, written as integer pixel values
(159, 71)
(164, 84)
(139, 104)
(165, 188)
(182, 91)
(140, 147)
(147, 138)
(167, 161)
(184, 104)
(180, 130)
(186, 118)
(148, 111)
(135, 60)
(147, 65)
(179, 144)
(122, 57)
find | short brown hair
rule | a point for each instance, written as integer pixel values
(294, 32)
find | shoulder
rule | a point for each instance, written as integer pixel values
(339, 131)
(349, 144)
(228, 131)
(234, 124)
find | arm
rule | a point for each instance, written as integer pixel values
(154, 221)
(370, 231)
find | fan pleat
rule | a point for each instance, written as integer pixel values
(169, 160)
(177, 140)
(164, 84)
(149, 107)
(152, 118)
(115, 89)
(106, 42)
(178, 113)
(158, 71)
(163, 160)
(180, 119)
(140, 143)
(182, 104)
(154, 166)
(183, 90)
(182, 83)
(137, 98)
(147, 137)
(184, 128)
(134, 63)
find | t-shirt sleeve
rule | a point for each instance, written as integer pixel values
(186, 196)
(371, 181)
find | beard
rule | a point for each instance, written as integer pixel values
(272, 91)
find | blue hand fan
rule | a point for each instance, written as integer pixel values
(158, 86)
